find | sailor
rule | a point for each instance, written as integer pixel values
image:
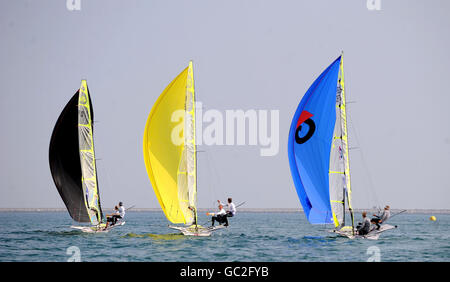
(378, 219)
(112, 217)
(230, 206)
(121, 210)
(220, 217)
(364, 227)
(194, 216)
(119, 213)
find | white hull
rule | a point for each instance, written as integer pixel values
(198, 230)
(372, 235)
(95, 229)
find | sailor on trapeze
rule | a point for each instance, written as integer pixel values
(378, 219)
(221, 216)
(119, 213)
(231, 207)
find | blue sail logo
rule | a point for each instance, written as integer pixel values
(305, 118)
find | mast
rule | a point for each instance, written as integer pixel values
(346, 159)
(195, 140)
(87, 155)
(190, 141)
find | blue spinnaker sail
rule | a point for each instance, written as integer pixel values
(310, 140)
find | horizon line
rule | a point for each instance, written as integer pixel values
(416, 210)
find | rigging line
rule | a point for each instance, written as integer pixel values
(400, 212)
(369, 176)
(105, 178)
(215, 175)
(212, 180)
(130, 207)
(209, 182)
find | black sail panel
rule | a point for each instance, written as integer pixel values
(64, 158)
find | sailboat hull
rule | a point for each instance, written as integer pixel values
(372, 235)
(95, 229)
(199, 231)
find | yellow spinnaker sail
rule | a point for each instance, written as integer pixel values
(170, 151)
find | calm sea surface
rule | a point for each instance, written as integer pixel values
(47, 236)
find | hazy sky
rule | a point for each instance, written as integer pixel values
(247, 54)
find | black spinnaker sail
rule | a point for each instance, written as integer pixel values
(70, 163)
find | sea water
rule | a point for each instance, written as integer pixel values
(251, 236)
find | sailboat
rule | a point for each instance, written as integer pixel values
(170, 154)
(72, 162)
(319, 156)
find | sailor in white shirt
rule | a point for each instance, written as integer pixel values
(112, 217)
(220, 217)
(119, 213)
(121, 210)
(231, 207)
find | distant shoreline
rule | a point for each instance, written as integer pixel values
(259, 210)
